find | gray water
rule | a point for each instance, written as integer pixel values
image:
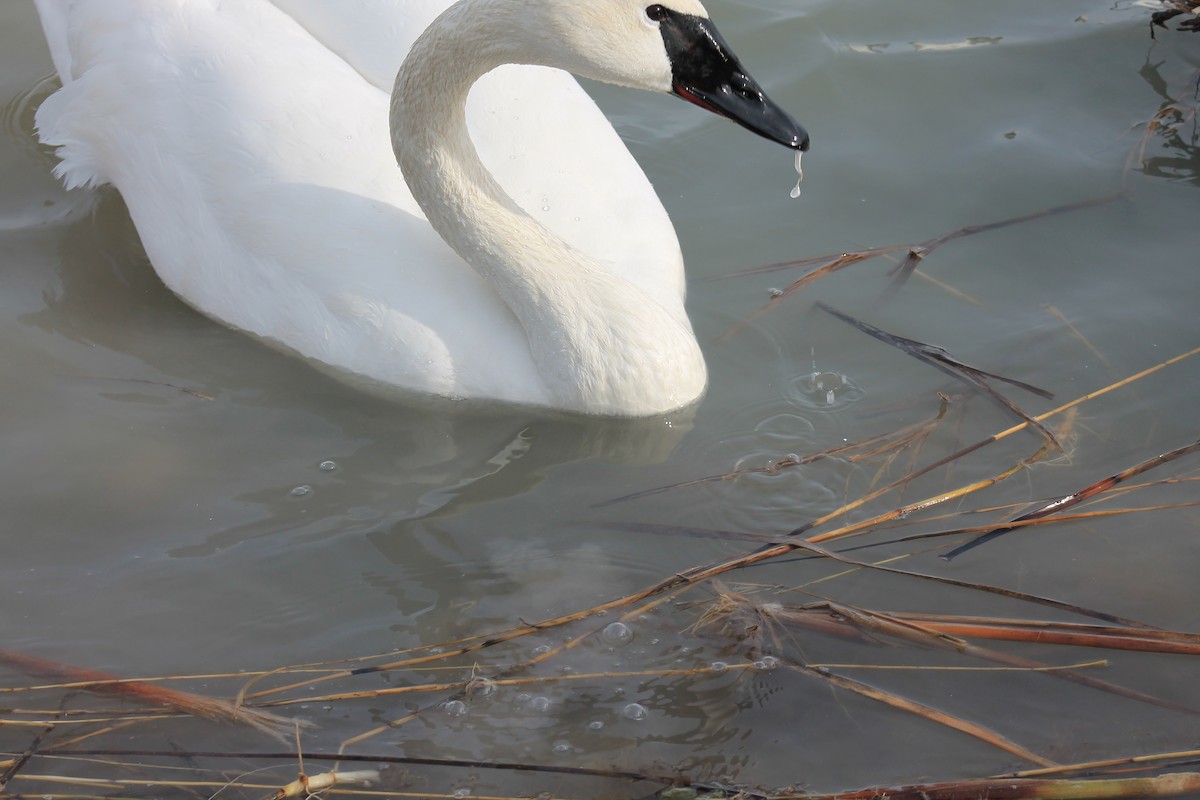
(179, 499)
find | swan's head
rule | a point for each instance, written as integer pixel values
(671, 47)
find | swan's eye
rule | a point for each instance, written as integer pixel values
(656, 12)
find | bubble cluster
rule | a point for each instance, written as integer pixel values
(635, 711)
(617, 633)
(767, 663)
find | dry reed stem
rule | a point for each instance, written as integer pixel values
(1061, 317)
(464, 687)
(1170, 785)
(940, 359)
(767, 538)
(916, 253)
(1004, 434)
(308, 785)
(1077, 497)
(1144, 762)
(940, 636)
(909, 509)
(1028, 523)
(185, 702)
(925, 712)
(948, 289)
(697, 575)
(851, 451)
(364, 758)
(1065, 633)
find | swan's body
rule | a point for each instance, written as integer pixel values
(251, 143)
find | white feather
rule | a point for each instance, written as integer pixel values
(250, 142)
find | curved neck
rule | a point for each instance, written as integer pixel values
(599, 343)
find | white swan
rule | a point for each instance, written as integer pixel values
(250, 142)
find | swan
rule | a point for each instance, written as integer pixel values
(518, 253)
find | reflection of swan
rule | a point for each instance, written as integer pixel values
(253, 156)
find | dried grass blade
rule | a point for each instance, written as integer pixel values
(827, 260)
(1169, 785)
(940, 359)
(1017, 524)
(925, 712)
(918, 253)
(1112, 387)
(942, 638)
(799, 285)
(697, 575)
(1072, 634)
(1075, 498)
(17, 764)
(852, 451)
(186, 702)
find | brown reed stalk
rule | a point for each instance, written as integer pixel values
(915, 254)
(92, 680)
(1169, 785)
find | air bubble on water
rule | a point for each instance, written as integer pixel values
(541, 650)
(767, 663)
(481, 687)
(617, 633)
(455, 708)
(718, 666)
(635, 711)
(328, 466)
(595, 725)
(540, 704)
(301, 491)
(799, 173)
(459, 794)
(562, 746)
(775, 292)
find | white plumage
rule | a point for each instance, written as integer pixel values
(250, 141)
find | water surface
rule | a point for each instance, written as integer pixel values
(179, 499)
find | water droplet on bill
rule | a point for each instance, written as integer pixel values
(799, 173)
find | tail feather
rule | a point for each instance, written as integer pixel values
(59, 114)
(55, 15)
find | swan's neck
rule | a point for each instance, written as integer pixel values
(600, 344)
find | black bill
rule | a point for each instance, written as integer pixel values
(707, 73)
